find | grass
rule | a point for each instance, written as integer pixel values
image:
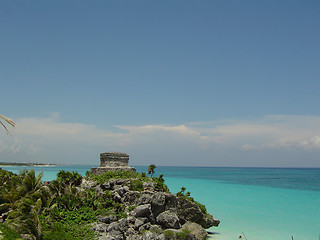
(123, 174)
(8, 233)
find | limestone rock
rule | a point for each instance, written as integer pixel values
(99, 227)
(107, 219)
(158, 201)
(168, 219)
(145, 198)
(190, 211)
(142, 211)
(199, 232)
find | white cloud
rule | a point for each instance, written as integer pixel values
(248, 147)
(219, 143)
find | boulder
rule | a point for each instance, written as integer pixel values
(138, 223)
(144, 227)
(158, 203)
(145, 198)
(99, 227)
(116, 229)
(199, 232)
(116, 197)
(142, 211)
(130, 197)
(190, 211)
(168, 219)
(122, 190)
(107, 219)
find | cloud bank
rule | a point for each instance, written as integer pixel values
(276, 141)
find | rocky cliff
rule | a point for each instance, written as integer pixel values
(150, 213)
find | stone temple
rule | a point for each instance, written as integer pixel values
(112, 161)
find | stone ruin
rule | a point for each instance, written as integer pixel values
(112, 161)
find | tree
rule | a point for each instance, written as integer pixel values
(7, 120)
(151, 169)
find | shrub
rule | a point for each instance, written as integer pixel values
(105, 177)
(61, 231)
(182, 235)
(69, 178)
(159, 184)
(169, 234)
(77, 216)
(130, 208)
(58, 232)
(8, 233)
(136, 185)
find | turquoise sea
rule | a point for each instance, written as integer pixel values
(262, 203)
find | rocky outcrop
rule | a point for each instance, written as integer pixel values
(150, 214)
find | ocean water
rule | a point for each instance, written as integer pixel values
(261, 203)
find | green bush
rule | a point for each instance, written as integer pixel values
(8, 233)
(82, 215)
(183, 234)
(159, 184)
(130, 208)
(123, 174)
(58, 232)
(69, 178)
(171, 235)
(83, 232)
(136, 185)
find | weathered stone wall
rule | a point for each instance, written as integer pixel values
(112, 161)
(100, 170)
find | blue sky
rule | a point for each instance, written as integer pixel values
(208, 83)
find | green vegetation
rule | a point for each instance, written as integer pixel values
(151, 169)
(159, 184)
(60, 209)
(69, 178)
(136, 185)
(169, 234)
(183, 234)
(105, 177)
(8, 233)
(57, 209)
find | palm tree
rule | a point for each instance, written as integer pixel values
(7, 120)
(151, 169)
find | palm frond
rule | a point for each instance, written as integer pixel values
(7, 120)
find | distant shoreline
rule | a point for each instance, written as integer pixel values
(6, 164)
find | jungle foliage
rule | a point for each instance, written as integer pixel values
(58, 209)
(51, 210)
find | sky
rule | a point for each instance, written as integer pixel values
(183, 83)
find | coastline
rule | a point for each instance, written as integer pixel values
(4, 164)
(264, 210)
(136, 205)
